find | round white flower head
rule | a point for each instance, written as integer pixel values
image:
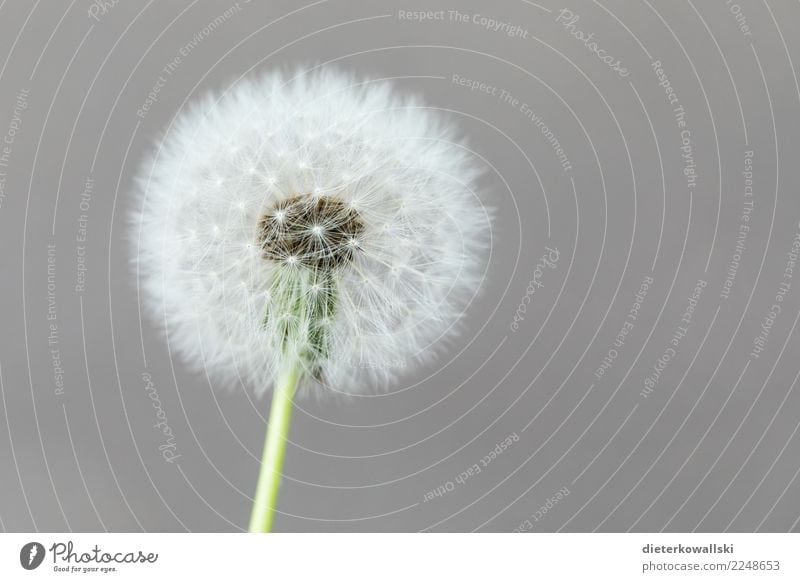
(317, 217)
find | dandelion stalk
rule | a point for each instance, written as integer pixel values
(302, 300)
(269, 478)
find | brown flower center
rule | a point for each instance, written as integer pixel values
(316, 232)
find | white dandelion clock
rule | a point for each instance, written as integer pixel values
(306, 234)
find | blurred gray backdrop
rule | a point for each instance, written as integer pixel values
(631, 363)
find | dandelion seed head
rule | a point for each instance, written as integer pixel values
(358, 238)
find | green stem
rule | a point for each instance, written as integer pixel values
(269, 478)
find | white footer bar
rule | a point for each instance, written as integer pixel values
(389, 557)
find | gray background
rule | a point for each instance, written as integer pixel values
(713, 447)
